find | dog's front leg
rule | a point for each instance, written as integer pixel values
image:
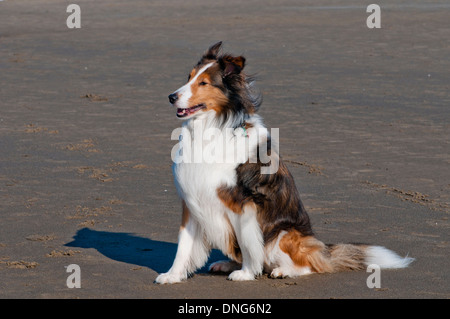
(251, 243)
(192, 252)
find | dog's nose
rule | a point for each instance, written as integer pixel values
(173, 98)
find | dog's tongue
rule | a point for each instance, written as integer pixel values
(186, 112)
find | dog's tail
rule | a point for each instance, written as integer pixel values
(354, 257)
(308, 251)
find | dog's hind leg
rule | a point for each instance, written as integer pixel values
(225, 266)
(294, 255)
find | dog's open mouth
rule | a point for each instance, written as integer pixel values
(190, 110)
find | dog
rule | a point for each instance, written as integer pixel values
(256, 219)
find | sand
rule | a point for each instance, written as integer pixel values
(85, 129)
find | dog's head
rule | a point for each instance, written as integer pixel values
(215, 84)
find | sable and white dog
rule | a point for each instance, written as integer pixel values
(255, 217)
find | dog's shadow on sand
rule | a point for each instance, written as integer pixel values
(132, 249)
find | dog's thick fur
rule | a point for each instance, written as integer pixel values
(257, 220)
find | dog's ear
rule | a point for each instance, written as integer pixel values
(213, 51)
(232, 65)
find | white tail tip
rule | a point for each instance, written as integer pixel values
(386, 258)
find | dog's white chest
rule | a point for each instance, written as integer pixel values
(198, 176)
(206, 159)
(197, 183)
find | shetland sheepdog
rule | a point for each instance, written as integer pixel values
(256, 219)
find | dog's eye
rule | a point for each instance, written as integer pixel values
(202, 83)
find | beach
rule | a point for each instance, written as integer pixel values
(85, 139)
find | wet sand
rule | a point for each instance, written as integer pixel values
(85, 144)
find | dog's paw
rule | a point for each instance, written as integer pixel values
(168, 278)
(278, 273)
(241, 275)
(281, 272)
(223, 266)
